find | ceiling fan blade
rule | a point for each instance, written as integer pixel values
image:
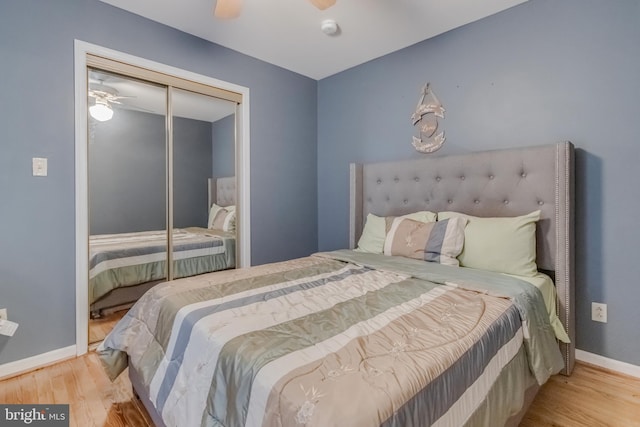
(227, 9)
(323, 4)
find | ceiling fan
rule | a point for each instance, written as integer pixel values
(229, 9)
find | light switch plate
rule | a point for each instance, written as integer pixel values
(599, 312)
(3, 314)
(8, 328)
(39, 166)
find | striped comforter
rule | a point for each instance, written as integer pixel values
(126, 259)
(337, 339)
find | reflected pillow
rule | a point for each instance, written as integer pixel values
(222, 218)
(374, 232)
(212, 214)
(505, 245)
(231, 227)
(439, 242)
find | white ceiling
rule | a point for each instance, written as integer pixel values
(287, 32)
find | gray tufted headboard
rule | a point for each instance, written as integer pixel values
(222, 191)
(496, 183)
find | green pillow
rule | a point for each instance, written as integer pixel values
(504, 245)
(374, 232)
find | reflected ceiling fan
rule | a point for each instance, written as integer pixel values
(104, 97)
(229, 9)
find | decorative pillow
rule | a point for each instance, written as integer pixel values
(374, 232)
(505, 245)
(222, 218)
(440, 241)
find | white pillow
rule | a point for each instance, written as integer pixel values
(212, 214)
(374, 232)
(231, 224)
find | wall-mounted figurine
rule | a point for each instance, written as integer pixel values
(425, 118)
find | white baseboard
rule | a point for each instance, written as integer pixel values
(21, 366)
(605, 362)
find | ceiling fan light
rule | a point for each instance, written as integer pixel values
(101, 112)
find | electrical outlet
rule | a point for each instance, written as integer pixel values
(599, 312)
(3, 314)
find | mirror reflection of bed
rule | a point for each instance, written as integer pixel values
(128, 193)
(124, 266)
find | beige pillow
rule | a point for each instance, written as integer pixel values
(230, 221)
(439, 242)
(224, 220)
(505, 245)
(373, 234)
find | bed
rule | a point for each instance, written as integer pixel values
(122, 267)
(359, 338)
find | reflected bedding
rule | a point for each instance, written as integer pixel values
(127, 259)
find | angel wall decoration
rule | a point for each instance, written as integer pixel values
(425, 118)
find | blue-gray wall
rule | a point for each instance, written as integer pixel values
(542, 72)
(37, 215)
(223, 137)
(192, 150)
(127, 173)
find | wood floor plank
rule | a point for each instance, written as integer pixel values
(92, 393)
(58, 384)
(43, 384)
(11, 391)
(80, 413)
(591, 397)
(28, 388)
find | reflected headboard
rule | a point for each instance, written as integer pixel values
(497, 183)
(222, 191)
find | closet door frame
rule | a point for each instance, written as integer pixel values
(85, 53)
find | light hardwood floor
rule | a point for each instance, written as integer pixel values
(590, 397)
(81, 382)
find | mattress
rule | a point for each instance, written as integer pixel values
(340, 338)
(128, 259)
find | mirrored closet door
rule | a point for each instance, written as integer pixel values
(162, 195)
(203, 178)
(127, 165)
